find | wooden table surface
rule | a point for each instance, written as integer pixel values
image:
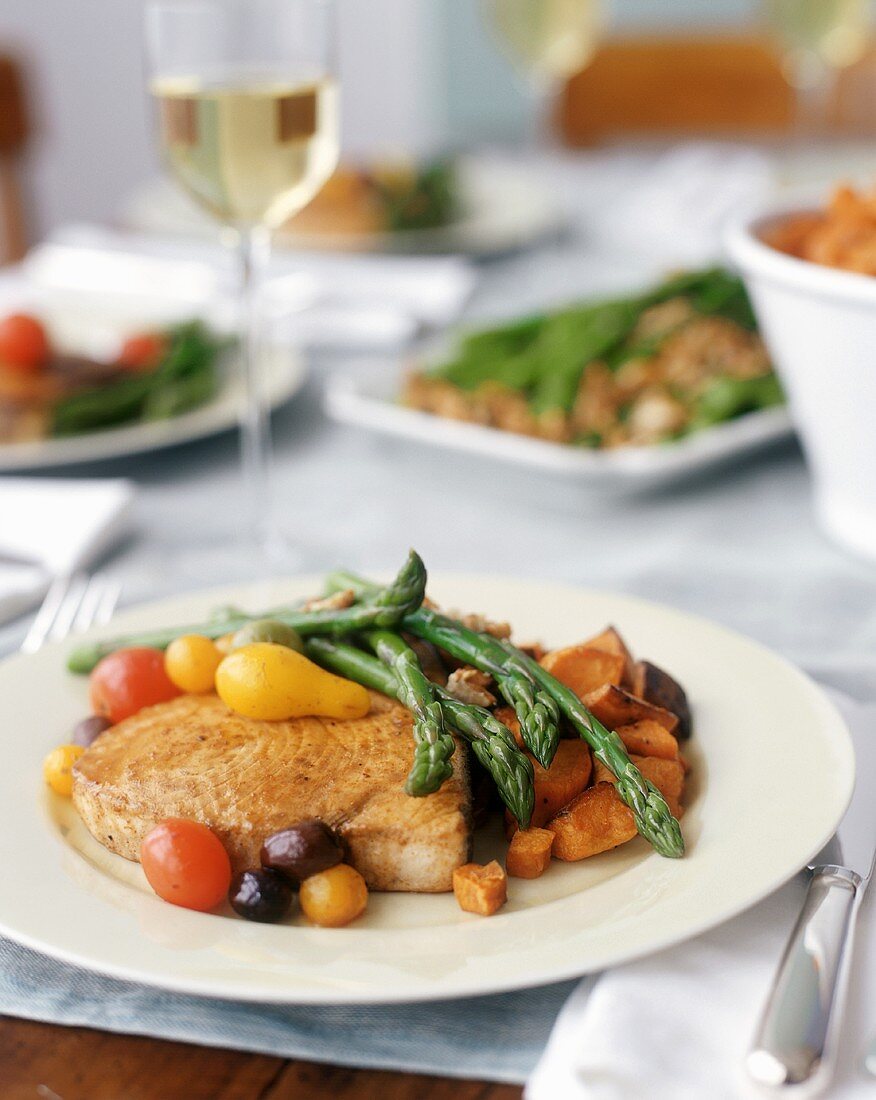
(46, 1062)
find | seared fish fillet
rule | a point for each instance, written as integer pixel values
(194, 758)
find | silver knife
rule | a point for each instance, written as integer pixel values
(794, 1048)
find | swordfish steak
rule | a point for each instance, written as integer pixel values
(194, 758)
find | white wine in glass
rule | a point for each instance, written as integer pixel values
(549, 39)
(251, 154)
(247, 110)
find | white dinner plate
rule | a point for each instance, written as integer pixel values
(773, 771)
(502, 208)
(219, 414)
(369, 400)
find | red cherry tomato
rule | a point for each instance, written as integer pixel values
(129, 680)
(24, 345)
(186, 864)
(142, 352)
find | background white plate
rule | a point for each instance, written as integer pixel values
(502, 208)
(284, 380)
(370, 401)
(89, 302)
(773, 772)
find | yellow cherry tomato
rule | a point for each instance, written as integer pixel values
(334, 897)
(273, 682)
(58, 768)
(191, 662)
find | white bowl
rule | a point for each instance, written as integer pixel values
(820, 326)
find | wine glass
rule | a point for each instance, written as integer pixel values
(247, 108)
(817, 38)
(549, 41)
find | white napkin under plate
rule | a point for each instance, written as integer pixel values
(335, 300)
(50, 527)
(677, 1025)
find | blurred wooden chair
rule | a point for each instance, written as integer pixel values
(719, 85)
(14, 134)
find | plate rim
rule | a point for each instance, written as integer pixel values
(462, 986)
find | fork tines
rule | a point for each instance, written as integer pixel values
(73, 603)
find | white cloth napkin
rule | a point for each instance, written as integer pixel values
(50, 527)
(677, 208)
(677, 1025)
(368, 301)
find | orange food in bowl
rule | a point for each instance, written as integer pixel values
(843, 235)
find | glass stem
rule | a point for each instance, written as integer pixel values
(543, 136)
(814, 83)
(255, 416)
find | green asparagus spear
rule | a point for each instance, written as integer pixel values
(433, 744)
(653, 817)
(536, 710)
(385, 608)
(494, 746)
(491, 742)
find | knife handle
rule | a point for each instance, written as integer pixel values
(795, 1043)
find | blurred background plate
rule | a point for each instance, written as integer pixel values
(504, 207)
(220, 414)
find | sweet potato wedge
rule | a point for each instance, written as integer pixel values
(615, 707)
(557, 785)
(480, 888)
(594, 822)
(649, 738)
(584, 668)
(666, 775)
(658, 687)
(610, 641)
(529, 853)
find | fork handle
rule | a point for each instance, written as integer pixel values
(795, 1043)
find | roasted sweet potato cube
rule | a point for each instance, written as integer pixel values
(480, 888)
(529, 853)
(610, 641)
(594, 822)
(584, 668)
(602, 774)
(658, 687)
(649, 738)
(567, 776)
(508, 718)
(666, 775)
(615, 707)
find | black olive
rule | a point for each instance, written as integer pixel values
(261, 896)
(84, 732)
(302, 850)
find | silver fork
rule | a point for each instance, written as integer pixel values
(73, 603)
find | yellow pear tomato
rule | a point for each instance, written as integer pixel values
(272, 682)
